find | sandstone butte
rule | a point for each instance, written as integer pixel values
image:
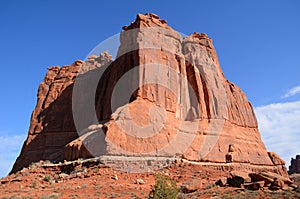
(176, 102)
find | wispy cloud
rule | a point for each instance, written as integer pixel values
(279, 125)
(9, 148)
(292, 92)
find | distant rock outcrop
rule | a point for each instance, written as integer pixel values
(295, 165)
(179, 104)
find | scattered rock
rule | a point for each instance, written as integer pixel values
(241, 174)
(222, 182)
(115, 177)
(288, 188)
(238, 178)
(191, 186)
(274, 176)
(140, 181)
(236, 182)
(294, 186)
(277, 184)
(255, 177)
(63, 175)
(78, 174)
(254, 185)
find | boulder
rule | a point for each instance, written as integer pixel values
(276, 159)
(240, 174)
(272, 180)
(238, 178)
(222, 182)
(191, 186)
(254, 185)
(274, 176)
(140, 181)
(277, 184)
(258, 177)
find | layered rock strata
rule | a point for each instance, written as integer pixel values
(164, 95)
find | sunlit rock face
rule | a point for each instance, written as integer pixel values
(164, 95)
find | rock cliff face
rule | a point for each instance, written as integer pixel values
(295, 165)
(164, 95)
(52, 124)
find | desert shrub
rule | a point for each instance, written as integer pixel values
(51, 196)
(33, 185)
(225, 196)
(47, 178)
(209, 186)
(287, 194)
(164, 187)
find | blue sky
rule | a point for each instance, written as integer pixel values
(257, 43)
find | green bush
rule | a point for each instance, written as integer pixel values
(33, 185)
(47, 178)
(164, 187)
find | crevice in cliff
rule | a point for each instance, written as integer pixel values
(206, 97)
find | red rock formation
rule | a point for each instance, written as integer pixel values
(295, 165)
(162, 96)
(52, 125)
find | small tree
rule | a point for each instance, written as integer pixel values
(164, 187)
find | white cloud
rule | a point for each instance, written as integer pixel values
(279, 125)
(292, 92)
(9, 148)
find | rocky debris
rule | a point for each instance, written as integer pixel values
(255, 177)
(81, 147)
(295, 165)
(238, 178)
(241, 174)
(254, 185)
(296, 179)
(42, 179)
(115, 177)
(222, 182)
(63, 176)
(140, 181)
(277, 184)
(191, 186)
(200, 102)
(273, 176)
(256, 181)
(94, 62)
